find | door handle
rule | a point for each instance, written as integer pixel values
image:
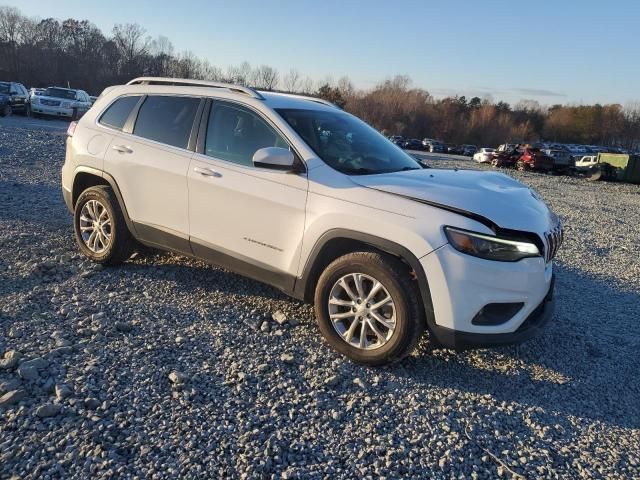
(207, 172)
(122, 149)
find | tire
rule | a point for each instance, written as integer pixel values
(119, 244)
(27, 111)
(6, 111)
(74, 115)
(405, 304)
(521, 166)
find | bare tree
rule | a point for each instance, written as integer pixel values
(133, 45)
(291, 81)
(266, 78)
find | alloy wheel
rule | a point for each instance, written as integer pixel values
(95, 226)
(362, 311)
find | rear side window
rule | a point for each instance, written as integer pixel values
(167, 119)
(234, 134)
(117, 114)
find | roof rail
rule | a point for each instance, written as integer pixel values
(195, 83)
(307, 97)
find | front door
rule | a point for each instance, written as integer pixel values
(248, 218)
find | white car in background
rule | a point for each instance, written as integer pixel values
(586, 162)
(61, 102)
(484, 155)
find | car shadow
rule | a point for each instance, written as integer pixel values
(586, 365)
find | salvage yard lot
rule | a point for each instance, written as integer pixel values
(260, 399)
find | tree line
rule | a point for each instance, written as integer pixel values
(75, 53)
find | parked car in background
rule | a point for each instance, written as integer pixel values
(434, 146)
(507, 158)
(586, 162)
(412, 144)
(61, 102)
(397, 140)
(454, 149)
(484, 155)
(14, 98)
(506, 147)
(34, 92)
(534, 159)
(469, 150)
(563, 161)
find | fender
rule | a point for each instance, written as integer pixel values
(310, 271)
(114, 186)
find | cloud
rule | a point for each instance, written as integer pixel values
(510, 93)
(536, 92)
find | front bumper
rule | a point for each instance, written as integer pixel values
(532, 325)
(461, 286)
(58, 111)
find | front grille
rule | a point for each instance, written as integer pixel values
(51, 103)
(553, 239)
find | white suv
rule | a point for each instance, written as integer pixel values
(294, 192)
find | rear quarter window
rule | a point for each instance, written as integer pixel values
(167, 119)
(118, 112)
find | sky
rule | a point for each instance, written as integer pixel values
(562, 51)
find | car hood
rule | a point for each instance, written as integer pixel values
(490, 197)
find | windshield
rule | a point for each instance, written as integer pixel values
(60, 93)
(4, 88)
(346, 143)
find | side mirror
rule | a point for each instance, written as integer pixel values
(276, 158)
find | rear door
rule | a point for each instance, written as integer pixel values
(249, 218)
(149, 161)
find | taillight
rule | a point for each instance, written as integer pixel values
(71, 129)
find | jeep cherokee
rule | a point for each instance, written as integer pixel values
(295, 192)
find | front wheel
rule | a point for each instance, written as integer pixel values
(368, 308)
(5, 111)
(100, 228)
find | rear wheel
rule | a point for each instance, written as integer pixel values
(100, 228)
(368, 308)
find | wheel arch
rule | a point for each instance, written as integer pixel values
(337, 242)
(86, 177)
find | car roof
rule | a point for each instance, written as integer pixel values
(182, 86)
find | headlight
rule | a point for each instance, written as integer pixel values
(488, 247)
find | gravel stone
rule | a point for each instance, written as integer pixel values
(48, 410)
(9, 360)
(124, 327)
(12, 397)
(178, 377)
(279, 317)
(563, 405)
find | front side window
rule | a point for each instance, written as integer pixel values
(118, 112)
(167, 119)
(346, 143)
(235, 133)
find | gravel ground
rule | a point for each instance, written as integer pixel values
(166, 367)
